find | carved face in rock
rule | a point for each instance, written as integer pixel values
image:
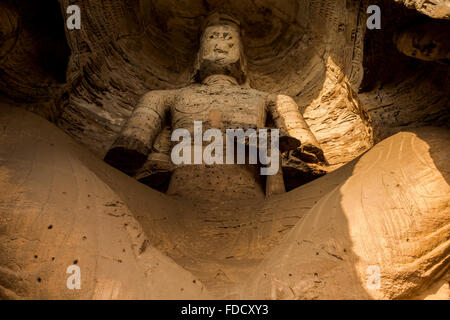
(221, 52)
(429, 42)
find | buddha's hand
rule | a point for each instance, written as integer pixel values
(306, 152)
(310, 153)
(288, 142)
(127, 154)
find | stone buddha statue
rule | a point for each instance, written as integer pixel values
(220, 98)
(376, 228)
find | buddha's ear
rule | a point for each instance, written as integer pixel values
(196, 71)
(243, 62)
(244, 75)
(243, 68)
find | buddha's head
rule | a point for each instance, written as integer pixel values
(221, 49)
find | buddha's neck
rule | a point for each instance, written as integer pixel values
(220, 79)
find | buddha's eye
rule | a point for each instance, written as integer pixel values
(214, 35)
(227, 36)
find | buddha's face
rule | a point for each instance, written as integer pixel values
(220, 52)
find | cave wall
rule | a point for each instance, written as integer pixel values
(398, 91)
(33, 55)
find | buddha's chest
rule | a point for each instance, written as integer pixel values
(219, 107)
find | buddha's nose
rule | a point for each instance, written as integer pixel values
(219, 50)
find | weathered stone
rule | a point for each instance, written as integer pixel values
(363, 93)
(314, 242)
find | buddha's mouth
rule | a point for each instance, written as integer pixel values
(220, 61)
(217, 50)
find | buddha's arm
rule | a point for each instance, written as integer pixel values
(287, 117)
(131, 148)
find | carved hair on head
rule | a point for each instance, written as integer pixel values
(221, 18)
